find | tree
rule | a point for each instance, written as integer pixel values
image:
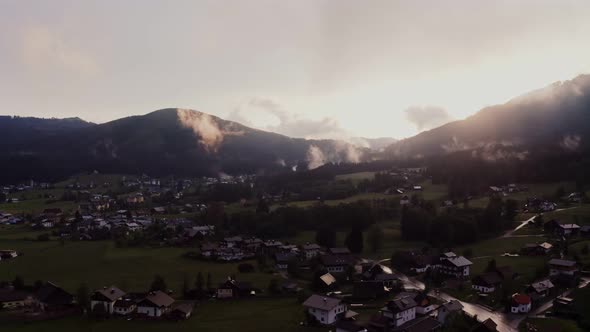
(293, 268)
(159, 284)
(199, 284)
(273, 287)
(209, 282)
(354, 240)
(510, 209)
(262, 206)
(18, 283)
(375, 237)
(185, 285)
(326, 237)
(83, 297)
(585, 249)
(491, 266)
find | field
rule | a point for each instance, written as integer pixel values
(282, 314)
(100, 263)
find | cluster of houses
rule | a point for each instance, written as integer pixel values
(6, 254)
(106, 302)
(9, 219)
(408, 311)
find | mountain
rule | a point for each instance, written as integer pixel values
(375, 144)
(168, 141)
(555, 118)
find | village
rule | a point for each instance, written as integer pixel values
(414, 289)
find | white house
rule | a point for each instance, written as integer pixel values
(562, 267)
(155, 304)
(124, 307)
(326, 310)
(520, 304)
(311, 250)
(103, 300)
(487, 282)
(400, 311)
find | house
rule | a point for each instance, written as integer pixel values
(339, 251)
(400, 310)
(158, 210)
(182, 311)
(311, 250)
(54, 298)
(336, 264)
(124, 307)
(349, 326)
(103, 300)
(233, 242)
(14, 299)
(424, 303)
(425, 324)
(520, 304)
(533, 249)
(487, 325)
(563, 306)
(487, 282)
(405, 200)
(447, 310)
(326, 310)
(155, 304)
(234, 289)
(368, 290)
(452, 265)
(283, 260)
(328, 279)
(8, 254)
(562, 267)
(540, 289)
(567, 229)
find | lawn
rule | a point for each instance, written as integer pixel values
(36, 206)
(579, 214)
(282, 314)
(356, 177)
(551, 325)
(100, 263)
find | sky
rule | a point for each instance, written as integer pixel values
(315, 69)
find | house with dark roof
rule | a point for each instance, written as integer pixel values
(487, 325)
(562, 267)
(311, 250)
(337, 263)
(182, 311)
(452, 265)
(124, 306)
(326, 310)
(53, 298)
(424, 324)
(103, 300)
(235, 289)
(540, 289)
(11, 298)
(447, 310)
(400, 310)
(487, 282)
(339, 251)
(155, 304)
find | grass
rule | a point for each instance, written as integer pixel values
(579, 214)
(36, 206)
(100, 263)
(356, 177)
(551, 325)
(249, 315)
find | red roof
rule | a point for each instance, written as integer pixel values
(521, 299)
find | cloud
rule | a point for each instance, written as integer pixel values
(571, 142)
(205, 127)
(286, 123)
(43, 49)
(427, 117)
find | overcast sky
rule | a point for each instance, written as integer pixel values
(303, 68)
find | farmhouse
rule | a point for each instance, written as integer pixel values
(54, 298)
(234, 289)
(487, 282)
(336, 264)
(103, 300)
(124, 307)
(155, 304)
(311, 250)
(452, 265)
(182, 311)
(8, 254)
(325, 310)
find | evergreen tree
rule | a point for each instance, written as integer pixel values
(326, 237)
(375, 238)
(354, 240)
(158, 284)
(83, 296)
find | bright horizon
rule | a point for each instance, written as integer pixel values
(314, 69)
